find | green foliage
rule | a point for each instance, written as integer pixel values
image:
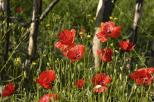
(77, 14)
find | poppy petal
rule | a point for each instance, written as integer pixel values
(76, 53)
(46, 78)
(99, 89)
(48, 98)
(8, 90)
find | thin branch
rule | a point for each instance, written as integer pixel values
(14, 51)
(27, 23)
(17, 20)
(48, 9)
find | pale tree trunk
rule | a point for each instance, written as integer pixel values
(137, 16)
(3, 5)
(34, 30)
(133, 37)
(104, 11)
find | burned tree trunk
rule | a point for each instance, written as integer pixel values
(104, 11)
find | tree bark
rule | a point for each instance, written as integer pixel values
(48, 9)
(34, 29)
(3, 5)
(104, 11)
(134, 30)
(137, 16)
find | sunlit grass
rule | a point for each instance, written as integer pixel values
(77, 14)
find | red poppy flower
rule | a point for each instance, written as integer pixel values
(126, 45)
(62, 47)
(105, 54)
(99, 89)
(76, 53)
(102, 36)
(101, 79)
(48, 98)
(67, 37)
(46, 78)
(19, 9)
(143, 76)
(115, 32)
(149, 70)
(80, 83)
(8, 90)
(108, 29)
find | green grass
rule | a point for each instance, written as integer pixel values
(75, 14)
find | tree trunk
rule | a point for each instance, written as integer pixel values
(137, 16)
(3, 5)
(104, 11)
(34, 30)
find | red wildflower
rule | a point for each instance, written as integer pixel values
(143, 76)
(80, 83)
(101, 79)
(115, 32)
(108, 29)
(99, 89)
(102, 36)
(63, 48)
(46, 78)
(126, 45)
(150, 69)
(8, 90)
(76, 53)
(19, 9)
(67, 37)
(105, 54)
(48, 98)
